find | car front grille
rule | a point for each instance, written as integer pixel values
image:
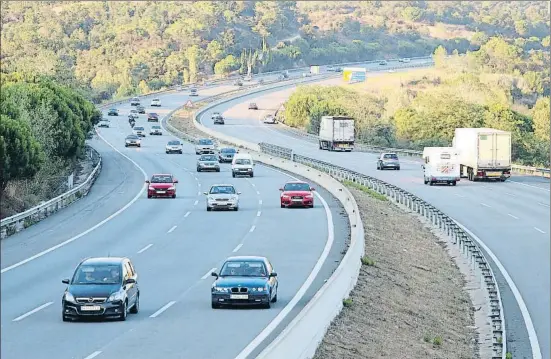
(296, 197)
(91, 300)
(222, 199)
(239, 290)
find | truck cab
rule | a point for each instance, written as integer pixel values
(441, 165)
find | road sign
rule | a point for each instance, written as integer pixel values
(189, 104)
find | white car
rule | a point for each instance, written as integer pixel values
(214, 115)
(135, 101)
(222, 196)
(174, 146)
(270, 119)
(156, 130)
(205, 146)
(156, 102)
(139, 131)
(104, 123)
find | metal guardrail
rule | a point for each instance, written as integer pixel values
(467, 244)
(20, 221)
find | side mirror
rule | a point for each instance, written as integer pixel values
(175, 181)
(238, 192)
(65, 281)
(130, 281)
(273, 274)
(423, 166)
(205, 193)
(312, 189)
(214, 274)
(281, 189)
(147, 181)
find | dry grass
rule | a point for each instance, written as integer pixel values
(409, 301)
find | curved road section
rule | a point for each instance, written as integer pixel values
(174, 244)
(512, 218)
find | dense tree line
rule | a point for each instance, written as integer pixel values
(123, 48)
(43, 128)
(462, 92)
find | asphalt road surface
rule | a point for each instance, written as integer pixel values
(174, 244)
(511, 218)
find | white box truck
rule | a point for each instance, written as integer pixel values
(484, 153)
(441, 165)
(336, 133)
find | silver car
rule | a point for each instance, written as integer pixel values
(156, 130)
(208, 163)
(222, 196)
(174, 146)
(270, 119)
(388, 160)
(103, 123)
(205, 145)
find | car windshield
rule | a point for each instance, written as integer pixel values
(174, 143)
(252, 104)
(161, 179)
(390, 156)
(156, 99)
(156, 127)
(133, 111)
(131, 137)
(244, 269)
(228, 150)
(97, 274)
(112, 109)
(208, 158)
(138, 128)
(296, 187)
(222, 190)
(242, 161)
(205, 142)
(153, 114)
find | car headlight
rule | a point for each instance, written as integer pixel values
(309, 196)
(151, 188)
(171, 188)
(69, 297)
(260, 289)
(285, 196)
(221, 289)
(116, 296)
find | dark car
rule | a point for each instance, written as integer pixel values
(253, 106)
(101, 287)
(219, 120)
(152, 117)
(161, 185)
(297, 194)
(113, 112)
(226, 154)
(245, 280)
(140, 109)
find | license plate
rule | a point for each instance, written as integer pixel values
(297, 199)
(239, 296)
(90, 308)
(493, 174)
(161, 191)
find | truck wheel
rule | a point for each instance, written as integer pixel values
(454, 183)
(425, 181)
(431, 183)
(233, 174)
(398, 168)
(320, 145)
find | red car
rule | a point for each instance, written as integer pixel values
(162, 185)
(297, 194)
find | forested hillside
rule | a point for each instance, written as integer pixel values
(43, 127)
(122, 48)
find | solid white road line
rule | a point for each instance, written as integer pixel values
(93, 355)
(195, 203)
(300, 293)
(485, 205)
(543, 204)
(82, 234)
(208, 273)
(258, 193)
(539, 230)
(532, 335)
(145, 248)
(33, 311)
(510, 215)
(160, 311)
(237, 248)
(172, 229)
(260, 202)
(252, 229)
(510, 194)
(529, 185)
(187, 214)
(258, 213)
(460, 196)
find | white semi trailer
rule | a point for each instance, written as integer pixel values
(484, 153)
(336, 133)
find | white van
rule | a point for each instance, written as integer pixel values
(242, 165)
(441, 165)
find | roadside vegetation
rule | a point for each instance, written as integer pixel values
(499, 86)
(410, 299)
(43, 127)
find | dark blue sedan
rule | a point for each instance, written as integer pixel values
(245, 280)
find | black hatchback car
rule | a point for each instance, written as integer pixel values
(101, 288)
(152, 117)
(245, 280)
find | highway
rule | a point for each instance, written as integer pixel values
(512, 218)
(174, 245)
